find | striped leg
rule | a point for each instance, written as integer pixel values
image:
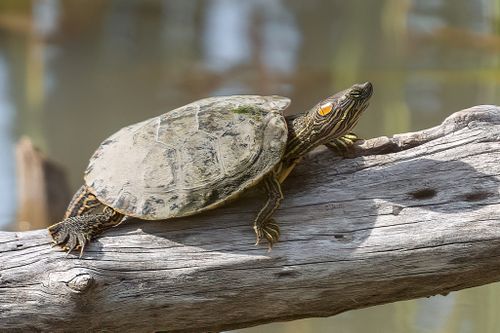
(82, 202)
(264, 225)
(342, 145)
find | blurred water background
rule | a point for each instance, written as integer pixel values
(73, 72)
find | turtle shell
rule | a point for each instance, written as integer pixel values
(190, 159)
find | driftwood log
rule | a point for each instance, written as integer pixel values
(413, 215)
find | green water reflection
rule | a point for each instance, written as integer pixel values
(79, 70)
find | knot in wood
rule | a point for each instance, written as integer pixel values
(81, 282)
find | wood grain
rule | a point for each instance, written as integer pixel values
(409, 216)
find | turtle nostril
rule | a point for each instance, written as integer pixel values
(367, 88)
(363, 90)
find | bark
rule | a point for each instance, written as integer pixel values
(409, 216)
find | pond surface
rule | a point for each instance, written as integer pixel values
(73, 72)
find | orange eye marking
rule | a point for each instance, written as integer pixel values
(325, 109)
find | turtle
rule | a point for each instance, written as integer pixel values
(202, 155)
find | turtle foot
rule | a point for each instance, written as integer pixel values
(76, 231)
(343, 146)
(71, 234)
(269, 230)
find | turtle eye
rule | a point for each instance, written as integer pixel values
(325, 109)
(356, 93)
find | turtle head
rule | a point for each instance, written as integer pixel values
(338, 114)
(331, 118)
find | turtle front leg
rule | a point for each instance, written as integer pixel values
(76, 231)
(264, 225)
(343, 145)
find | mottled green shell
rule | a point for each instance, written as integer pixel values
(190, 159)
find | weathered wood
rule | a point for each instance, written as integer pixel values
(412, 216)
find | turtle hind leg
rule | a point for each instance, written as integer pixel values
(82, 202)
(264, 225)
(76, 231)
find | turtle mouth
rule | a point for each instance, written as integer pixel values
(360, 95)
(365, 103)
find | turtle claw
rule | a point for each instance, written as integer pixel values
(344, 145)
(71, 244)
(73, 233)
(69, 236)
(269, 230)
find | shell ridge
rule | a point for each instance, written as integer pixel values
(157, 136)
(176, 175)
(196, 117)
(220, 158)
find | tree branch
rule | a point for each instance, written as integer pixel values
(411, 216)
